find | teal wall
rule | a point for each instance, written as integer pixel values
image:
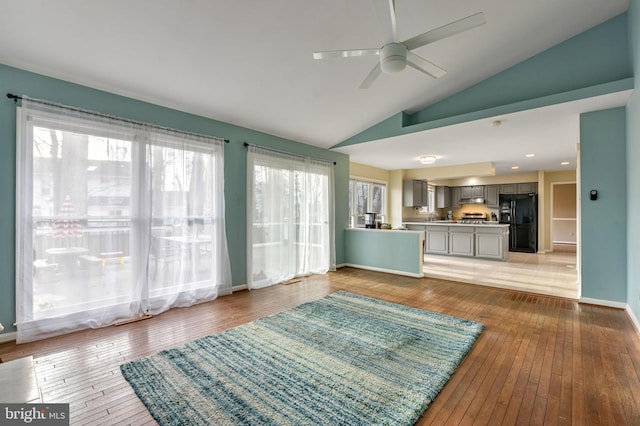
(20, 82)
(633, 170)
(592, 63)
(604, 221)
(397, 251)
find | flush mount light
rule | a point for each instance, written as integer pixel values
(515, 167)
(530, 155)
(427, 159)
(564, 163)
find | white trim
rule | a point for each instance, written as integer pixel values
(388, 271)
(600, 302)
(239, 287)
(633, 318)
(8, 337)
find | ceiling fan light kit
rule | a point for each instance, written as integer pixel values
(396, 55)
(393, 57)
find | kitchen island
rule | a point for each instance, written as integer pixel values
(488, 241)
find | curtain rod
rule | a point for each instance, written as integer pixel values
(246, 145)
(98, 114)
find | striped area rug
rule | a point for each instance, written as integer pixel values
(342, 360)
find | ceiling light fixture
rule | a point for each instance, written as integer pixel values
(564, 163)
(427, 159)
(515, 167)
(530, 155)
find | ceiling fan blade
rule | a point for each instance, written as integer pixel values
(373, 74)
(345, 53)
(445, 31)
(394, 23)
(422, 65)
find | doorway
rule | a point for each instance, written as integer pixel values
(564, 217)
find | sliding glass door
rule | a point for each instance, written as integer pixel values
(115, 221)
(289, 217)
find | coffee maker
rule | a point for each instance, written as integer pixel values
(370, 220)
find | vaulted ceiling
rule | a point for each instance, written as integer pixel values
(250, 62)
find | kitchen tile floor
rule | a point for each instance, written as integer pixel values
(552, 274)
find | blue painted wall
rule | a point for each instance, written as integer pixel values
(398, 251)
(594, 57)
(633, 170)
(592, 63)
(20, 82)
(604, 221)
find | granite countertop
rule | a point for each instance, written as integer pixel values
(455, 223)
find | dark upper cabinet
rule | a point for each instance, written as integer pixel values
(415, 193)
(475, 191)
(455, 197)
(491, 195)
(519, 188)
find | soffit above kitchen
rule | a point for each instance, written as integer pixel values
(250, 63)
(549, 133)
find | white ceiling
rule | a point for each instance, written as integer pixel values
(249, 62)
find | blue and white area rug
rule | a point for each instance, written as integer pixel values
(344, 359)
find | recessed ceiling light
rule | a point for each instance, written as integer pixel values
(564, 163)
(530, 155)
(427, 159)
(515, 167)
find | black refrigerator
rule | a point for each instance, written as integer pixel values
(520, 211)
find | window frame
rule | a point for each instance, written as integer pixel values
(356, 220)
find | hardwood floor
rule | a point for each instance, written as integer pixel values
(540, 360)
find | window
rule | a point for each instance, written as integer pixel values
(118, 219)
(366, 196)
(289, 217)
(431, 200)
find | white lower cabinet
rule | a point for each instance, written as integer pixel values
(461, 241)
(489, 245)
(437, 240)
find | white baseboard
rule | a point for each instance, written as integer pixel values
(388, 271)
(608, 303)
(8, 337)
(239, 287)
(633, 318)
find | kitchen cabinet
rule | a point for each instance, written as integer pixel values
(454, 197)
(527, 188)
(481, 241)
(461, 241)
(519, 188)
(472, 191)
(490, 243)
(443, 197)
(437, 240)
(491, 195)
(415, 193)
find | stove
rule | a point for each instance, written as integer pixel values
(473, 218)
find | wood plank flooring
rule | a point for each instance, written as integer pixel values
(540, 360)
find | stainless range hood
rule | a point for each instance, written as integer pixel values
(474, 200)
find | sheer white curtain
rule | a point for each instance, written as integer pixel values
(115, 220)
(290, 217)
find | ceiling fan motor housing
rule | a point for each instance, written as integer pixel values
(393, 57)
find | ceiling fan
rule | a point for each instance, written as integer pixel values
(396, 55)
